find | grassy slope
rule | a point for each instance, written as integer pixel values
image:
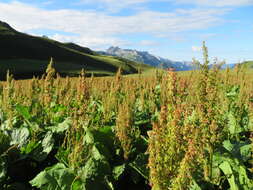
(249, 64)
(26, 55)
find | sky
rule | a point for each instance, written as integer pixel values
(173, 29)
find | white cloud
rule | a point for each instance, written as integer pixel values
(90, 41)
(196, 48)
(96, 29)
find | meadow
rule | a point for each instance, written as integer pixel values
(178, 131)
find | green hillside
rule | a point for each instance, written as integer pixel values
(249, 64)
(79, 48)
(26, 55)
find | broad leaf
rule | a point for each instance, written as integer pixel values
(194, 186)
(140, 165)
(61, 127)
(24, 111)
(4, 142)
(45, 147)
(94, 174)
(118, 171)
(17, 186)
(39, 150)
(96, 170)
(57, 177)
(241, 150)
(235, 172)
(227, 170)
(3, 169)
(19, 136)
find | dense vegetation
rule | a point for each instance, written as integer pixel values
(168, 131)
(24, 56)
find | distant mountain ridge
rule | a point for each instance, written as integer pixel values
(26, 55)
(147, 58)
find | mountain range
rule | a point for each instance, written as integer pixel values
(147, 58)
(152, 60)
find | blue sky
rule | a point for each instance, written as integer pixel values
(172, 29)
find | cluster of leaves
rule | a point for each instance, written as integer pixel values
(37, 155)
(46, 146)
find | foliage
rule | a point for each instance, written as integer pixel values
(169, 131)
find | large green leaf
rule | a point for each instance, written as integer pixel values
(19, 136)
(194, 186)
(94, 174)
(61, 127)
(140, 165)
(17, 186)
(103, 139)
(216, 172)
(118, 171)
(241, 150)
(227, 170)
(233, 92)
(24, 111)
(62, 155)
(235, 172)
(57, 177)
(96, 170)
(4, 142)
(46, 147)
(236, 175)
(233, 126)
(39, 150)
(3, 168)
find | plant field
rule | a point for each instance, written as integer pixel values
(165, 131)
